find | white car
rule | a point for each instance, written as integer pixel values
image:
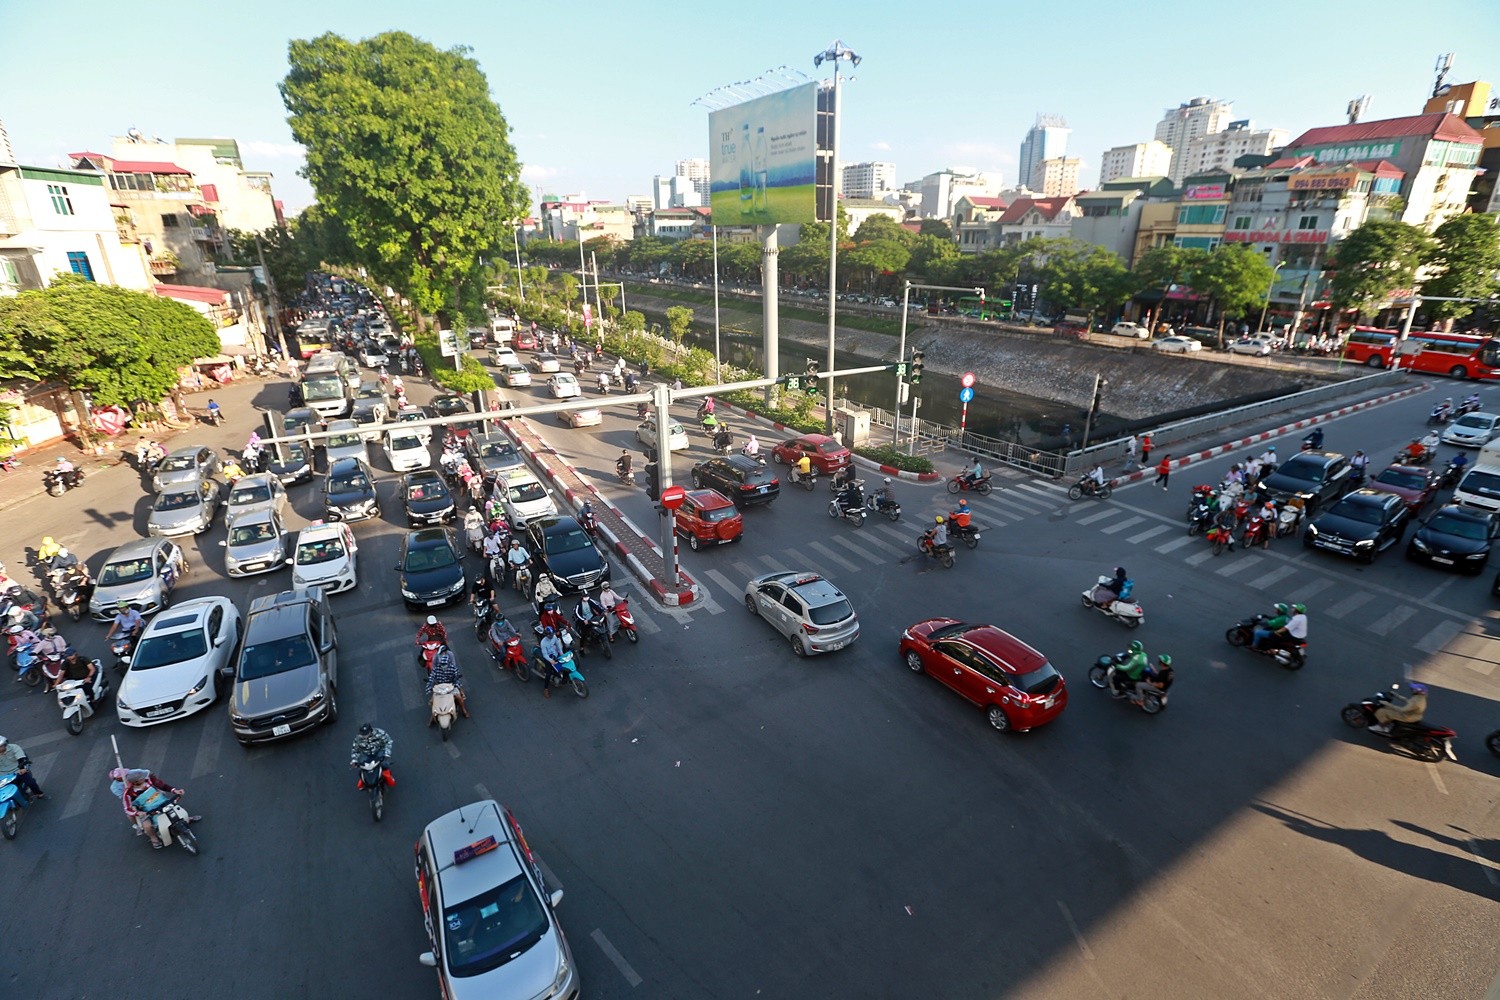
(563, 386)
(183, 657)
(546, 363)
(645, 433)
(526, 499)
(406, 451)
(326, 556)
(1176, 345)
(1131, 330)
(503, 357)
(1472, 430)
(345, 440)
(590, 416)
(372, 355)
(409, 413)
(1258, 344)
(256, 543)
(517, 375)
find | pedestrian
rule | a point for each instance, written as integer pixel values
(1163, 470)
(1145, 450)
(292, 364)
(1132, 449)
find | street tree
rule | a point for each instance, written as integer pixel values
(1235, 279)
(1464, 263)
(407, 150)
(932, 260)
(936, 227)
(1163, 267)
(1083, 276)
(883, 227)
(877, 259)
(1377, 259)
(679, 322)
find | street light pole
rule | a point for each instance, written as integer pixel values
(515, 238)
(837, 53)
(901, 350)
(1261, 326)
(718, 365)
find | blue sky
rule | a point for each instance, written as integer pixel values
(597, 94)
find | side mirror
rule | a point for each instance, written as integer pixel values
(428, 959)
(289, 561)
(556, 897)
(223, 544)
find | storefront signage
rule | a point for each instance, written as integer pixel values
(1204, 192)
(1344, 154)
(1323, 182)
(1276, 236)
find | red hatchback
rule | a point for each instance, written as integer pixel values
(826, 454)
(1013, 683)
(525, 340)
(708, 517)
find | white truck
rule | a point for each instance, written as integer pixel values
(502, 329)
(1480, 486)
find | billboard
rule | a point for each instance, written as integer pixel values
(763, 159)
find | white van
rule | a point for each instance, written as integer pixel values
(502, 329)
(1480, 486)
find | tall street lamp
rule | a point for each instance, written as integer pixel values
(901, 351)
(515, 238)
(836, 53)
(1261, 326)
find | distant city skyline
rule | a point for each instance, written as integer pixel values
(603, 114)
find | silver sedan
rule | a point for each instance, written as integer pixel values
(183, 510)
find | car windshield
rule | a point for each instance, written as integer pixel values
(1458, 527)
(406, 443)
(829, 447)
(1039, 681)
(126, 571)
(831, 613)
(324, 550)
(1475, 421)
(275, 656)
(370, 390)
(343, 484)
(1364, 513)
(527, 492)
(250, 534)
(1402, 480)
(516, 369)
(344, 440)
(426, 491)
(572, 540)
(316, 387)
(449, 405)
(367, 414)
(419, 560)
(254, 493)
(1478, 481)
(165, 650)
(177, 501)
(405, 416)
(1308, 472)
(293, 424)
(485, 932)
(496, 450)
(178, 463)
(296, 453)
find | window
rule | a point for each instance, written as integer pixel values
(169, 220)
(1241, 222)
(78, 262)
(62, 204)
(1307, 222)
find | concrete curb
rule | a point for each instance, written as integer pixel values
(926, 478)
(686, 594)
(1130, 477)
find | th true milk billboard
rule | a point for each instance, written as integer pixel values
(763, 159)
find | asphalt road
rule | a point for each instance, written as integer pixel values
(729, 821)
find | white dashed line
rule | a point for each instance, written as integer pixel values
(1129, 522)
(613, 954)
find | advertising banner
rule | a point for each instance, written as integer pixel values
(763, 159)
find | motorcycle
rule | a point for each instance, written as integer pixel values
(1086, 487)
(1439, 416)
(426, 653)
(589, 523)
(565, 672)
(171, 821)
(57, 483)
(482, 612)
(28, 665)
(444, 706)
(841, 479)
(1220, 536)
(1103, 674)
(876, 504)
(724, 443)
(1119, 607)
(1452, 473)
(1405, 457)
(942, 553)
(623, 475)
(1289, 518)
(1468, 406)
(754, 456)
(1255, 533)
(374, 776)
(121, 647)
(1200, 518)
(1422, 741)
(1313, 441)
(850, 507)
(625, 620)
(966, 533)
(507, 652)
(960, 484)
(13, 798)
(73, 589)
(474, 530)
(1292, 657)
(595, 632)
(77, 699)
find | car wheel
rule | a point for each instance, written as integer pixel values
(750, 605)
(914, 661)
(797, 647)
(776, 457)
(693, 542)
(999, 721)
(697, 481)
(333, 706)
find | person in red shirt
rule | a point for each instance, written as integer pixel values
(1163, 470)
(432, 630)
(1145, 450)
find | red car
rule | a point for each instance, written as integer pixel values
(827, 455)
(525, 340)
(1014, 684)
(708, 517)
(1412, 483)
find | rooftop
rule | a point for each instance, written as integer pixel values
(1434, 126)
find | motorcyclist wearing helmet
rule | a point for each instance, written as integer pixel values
(1159, 677)
(127, 624)
(802, 467)
(445, 671)
(973, 472)
(1409, 710)
(1275, 623)
(1443, 410)
(1116, 585)
(1128, 674)
(551, 651)
(372, 742)
(590, 612)
(47, 549)
(1431, 441)
(960, 515)
(432, 630)
(752, 447)
(586, 516)
(851, 495)
(1268, 461)
(1295, 629)
(887, 496)
(141, 792)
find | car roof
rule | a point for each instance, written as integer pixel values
(739, 462)
(1011, 653)
(137, 549)
(344, 466)
(461, 828)
(1374, 498)
(184, 616)
(320, 532)
(342, 424)
(252, 516)
(256, 479)
(709, 499)
(555, 525)
(190, 450)
(1467, 513)
(812, 438)
(810, 586)
(426, 537)
(1321, 458)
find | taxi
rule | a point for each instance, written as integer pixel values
(326, 556)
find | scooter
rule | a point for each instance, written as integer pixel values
(77, 699)
(426, 653)
(852, 510)
(594, 632)
(982, 485)
(121, 647)
(754, 456)
(625, 620)
(374, 776)
(1424, 742)
(1452, 473)
(13, 798)
(507, 651)
(1122, 609)
(444, 707)
(942, 553)
(1104, 675)
(1200, 518)
(73, 588)
(1439, 416)
(565, 672)
(875, 504)
(57, 483)
(1255, 532)
(28, 665)
(1086, 487)
(482, 613)
(1292, 657)
(808, 482)
(171, 821)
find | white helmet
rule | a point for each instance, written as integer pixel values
(887, 480)
(432, 619)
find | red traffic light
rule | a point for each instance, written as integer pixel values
(672, 497)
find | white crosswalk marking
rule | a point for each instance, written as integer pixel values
(1241, 563)
(1199, 558)
(770, 564)
(1053, 494)
(895, 534)
(1353, 602)
(1440, 635)
(210, 741)
(864, 553)
(1310, 589)
(726, 584)
(1129, 522)
(93, 781)
(1392, 620)
(1176, 544)
(1101, 515)
(1265, 580)
(155, 751)
(707, 602)
(828, 553)
(1148, 533)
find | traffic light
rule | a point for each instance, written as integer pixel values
(916, 368)
(899, 368)
(792, 381)
(812, 368)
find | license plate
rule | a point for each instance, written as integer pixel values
(281, 730)
(838, 645)
(433, 604)
(1441, 561)
(157, 713)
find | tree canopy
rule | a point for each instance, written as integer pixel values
(1464, 262)
(1375, 260)
(406, 149)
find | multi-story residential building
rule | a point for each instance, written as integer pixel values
(976, 222)
(696, 171)
(238, 198)
(677, 191)
(1220, 150)
(1056, 177)
(163, 204)
(1437, 154)
(860, 209)
(233, 314)
(678, 223)
(1045, 140)
(940, 191)
(1202, 206)
(1111, 216)
(1152, 158)
(1479, 106)
(867, 180)
(62, 221)
(1046, 218)
(1188, 121)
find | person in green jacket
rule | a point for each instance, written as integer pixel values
(1264, 630)
(1128, 674)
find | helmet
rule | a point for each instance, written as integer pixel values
(1272, 449)
(14, 630)
(1164, 660)
(1120, 571)
(549, 630)
(61, 459)
(48, 542)
(366, 729)
(962, 502)
(432, 619)
(1300, 608)
(1136, 647)
(887, 481)
(1282, 609)
(1418, 688)
(939, 519)
(122, 605)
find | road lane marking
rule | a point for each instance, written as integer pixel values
(771, 564)
(1440, 635)
(1175, 544)
(156, 748)
(828, 553)
(613, 954)
(90, 781)
(1083, 946)
(1052, 494)
(1484, 862)
(40, 740)
(1437, 779)
(1391, 620)
(1353, 602)
(206, 760)
(1199, 558)
(1265, 580)
(1129, 522)
(718, 576)
(854, 547)
(1309, 589)
(1101, 515)
(1148, 533)
(484, 793)
(1238, 565)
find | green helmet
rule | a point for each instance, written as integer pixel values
(1164, 660)
(1136, 647)
(1282, 609)
(1300, 609)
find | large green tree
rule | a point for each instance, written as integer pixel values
(1464, 263)
(407, 150)
(1083, 276)
(1235, 279)
(1375, 260)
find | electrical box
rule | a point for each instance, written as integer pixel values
(854, 427)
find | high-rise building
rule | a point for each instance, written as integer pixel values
(1181, 125)
(1152, 158)
(867, 180)
(1047, 140)
(677, 191)
(695, 170)
(1056, 177)
(1219, 150)
(939, 192)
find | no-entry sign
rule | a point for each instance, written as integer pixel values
(672, 497)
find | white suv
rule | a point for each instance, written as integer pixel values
(1131, 330)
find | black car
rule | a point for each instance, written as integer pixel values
(431, 568)
(290, 461)
(743, 480)
(1318, 477)
(349, 491)
(491, 455)
(561, 548)
(426, 498)
(1456, 538)
(447, 406)
(1362, 525)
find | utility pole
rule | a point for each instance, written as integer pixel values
(260, 252)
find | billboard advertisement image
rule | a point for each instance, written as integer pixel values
(763, 159)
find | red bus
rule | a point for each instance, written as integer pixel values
(1460, 355)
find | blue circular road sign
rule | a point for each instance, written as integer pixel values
(966, 394)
